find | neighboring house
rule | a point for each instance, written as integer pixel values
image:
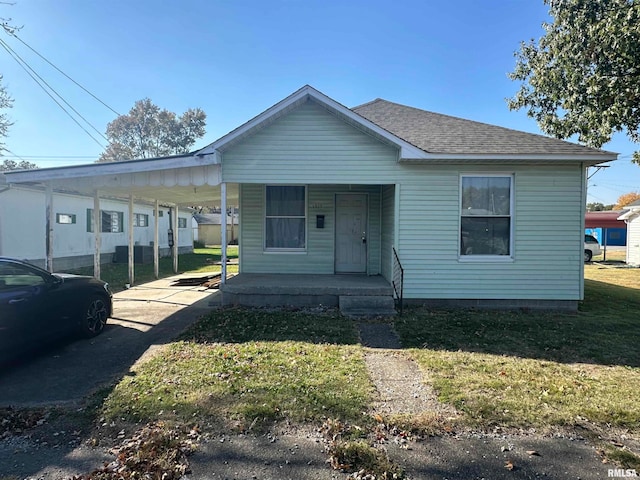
(606, 227)
(22, 227)
(209, 231)
(331, 196)
(632, 219)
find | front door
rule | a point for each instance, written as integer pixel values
(351, 233)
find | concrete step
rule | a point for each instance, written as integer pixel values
(367, 305)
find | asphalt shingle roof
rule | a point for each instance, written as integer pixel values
(443, 134)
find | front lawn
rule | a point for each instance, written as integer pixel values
(247, 369)
(250, 369)
(539, 370)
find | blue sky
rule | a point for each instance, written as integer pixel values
(235, 58)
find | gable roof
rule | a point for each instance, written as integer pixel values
(303, 95)
(446, 135)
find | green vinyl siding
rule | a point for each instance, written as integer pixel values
(387, 227)
(309, 145)
(412, 206)
(546, 258)
(319, 255)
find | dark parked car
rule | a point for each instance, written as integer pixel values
(37, 307)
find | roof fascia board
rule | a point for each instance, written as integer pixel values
(112, 168)
(631, 214)
(406, 149)
(447, 157)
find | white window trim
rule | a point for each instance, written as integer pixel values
(271, 250)
(489, 258)
(71, 216)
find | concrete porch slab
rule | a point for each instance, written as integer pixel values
(259, 290)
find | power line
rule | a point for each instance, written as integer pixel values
(32, 73)
(67, 76)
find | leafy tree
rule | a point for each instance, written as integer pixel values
(583, 76)
(599, 207)
(626, 199)
(5, 102)
(9, 165)
(148, 131)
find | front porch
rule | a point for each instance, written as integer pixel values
(354, 294)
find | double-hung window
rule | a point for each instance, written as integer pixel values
(285, 217)
(140, 220)
(486, 221)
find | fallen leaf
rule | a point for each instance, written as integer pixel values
(533, 453)
(509, 465)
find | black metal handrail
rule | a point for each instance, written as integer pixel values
(398, 280)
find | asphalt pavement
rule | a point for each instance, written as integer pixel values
(144, 317)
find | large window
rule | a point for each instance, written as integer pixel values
(285, 217)
(111, 222)
(486, 210)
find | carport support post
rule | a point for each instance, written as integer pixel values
(156, 241)
(223, 232)
(130, 259)
(174, 249)
(49, 227)
(97, 229)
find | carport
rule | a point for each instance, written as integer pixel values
(178, 181)
(605, 220)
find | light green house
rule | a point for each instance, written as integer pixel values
(474, 214)
(358, 207)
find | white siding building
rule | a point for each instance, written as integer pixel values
(632, 218)
(23, 227)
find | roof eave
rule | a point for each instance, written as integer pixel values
(589, 159)
(111, 168)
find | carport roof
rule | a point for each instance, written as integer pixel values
(606, 219)
(181, 180)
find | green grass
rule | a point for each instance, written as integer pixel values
(532, 369)
(205, 260)
(250, 369)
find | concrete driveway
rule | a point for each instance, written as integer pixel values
(144, 317)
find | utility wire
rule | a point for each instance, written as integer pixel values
(46, 60)
(25, 66)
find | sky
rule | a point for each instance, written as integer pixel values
(236, 58)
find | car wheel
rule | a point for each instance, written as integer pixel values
(94, 317)
(587, 255)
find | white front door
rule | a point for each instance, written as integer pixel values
(351, 233)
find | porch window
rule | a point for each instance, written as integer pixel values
(285, 217)
(486, 215)
(182, 222)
